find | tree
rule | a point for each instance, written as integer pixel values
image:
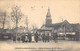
(3, 18)
(16, 16)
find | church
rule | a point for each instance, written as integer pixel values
(61, 28)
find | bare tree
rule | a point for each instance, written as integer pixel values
(3, 18)
(16, 16)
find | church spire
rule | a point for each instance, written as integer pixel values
(48, 13)
(48, 18)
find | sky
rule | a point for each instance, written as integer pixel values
(36, 10)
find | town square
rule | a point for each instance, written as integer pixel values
(39, 25)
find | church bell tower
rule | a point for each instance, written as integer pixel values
(48, 18)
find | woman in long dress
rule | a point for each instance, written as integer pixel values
(26, 38)
(33, 39)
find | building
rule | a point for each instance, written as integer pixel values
(63, 28)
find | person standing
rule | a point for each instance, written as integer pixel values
(33, 38)
(14, 38)
(36, 37)
(18, 38)
(43, 37)
(26, 38)
(55, 37)
(77, 36)
(29, 37)
(47, 37)
(23, 38)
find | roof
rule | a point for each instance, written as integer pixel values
(44, 30)
(76, 27)
(57, 25)
(69, 26)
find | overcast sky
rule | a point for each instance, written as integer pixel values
(36, 10)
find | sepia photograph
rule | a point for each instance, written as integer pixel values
(39, 25)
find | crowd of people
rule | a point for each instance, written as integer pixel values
(34, 38)
(45, 37)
